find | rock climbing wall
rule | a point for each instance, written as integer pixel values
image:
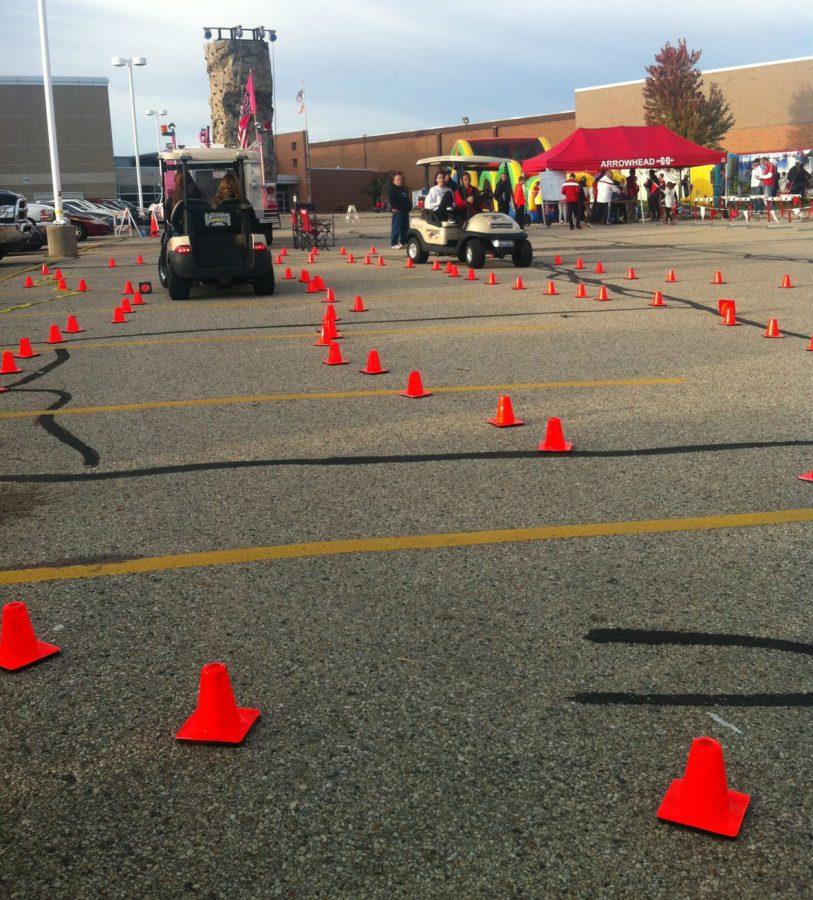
(228, 63)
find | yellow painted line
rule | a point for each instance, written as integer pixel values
(333, 395)
(243, 555)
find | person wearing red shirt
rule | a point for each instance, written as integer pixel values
(519, 201)
(571, 191)
(466, 198)
(768, 178)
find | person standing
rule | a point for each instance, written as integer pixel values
(486, 198)
(519, 201)
(400, 204)
(631, 195)
(605, 190)
(798, 177)
(653, 196)
(583, 201)
(769, 178)
(571, 192)
(756, 185)
(503, 194)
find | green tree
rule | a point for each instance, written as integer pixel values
(673, 96)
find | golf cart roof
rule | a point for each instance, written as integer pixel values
(205, 154)
(470, 162)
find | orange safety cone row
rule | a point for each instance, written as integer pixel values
(471, 275)
(602, 293)
(550, 290)
(772, 331)
(631, 276)
(381, 262)
(599, 269)
(139, 260)
(54, 335)
(19, 646)
(82, 286)
(409, 263)
(579, 263)
(111, 263)
(786, 283)
(26, 351)
(8, 365)
(288, 276)
(29, 282)
(504, 417)
(671, 277)
(581, 292)
(217, 719)
(718, 278)
(554, 440)
(126, 308)
(702, 798)
(730, 315)
(304, 277)
(436, 266)
(373, 366)
(358, 305)
(118, 317)
(557, 260)
(657, 300)
(334, 356)
(138, 300)
(128, 287)
(518, 284)
(492, 278)
(415, 388)
(72, 326)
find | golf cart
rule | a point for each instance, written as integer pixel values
(483, 234)
(201, 243)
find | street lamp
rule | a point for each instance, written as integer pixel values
(131, 61)
(157, 113)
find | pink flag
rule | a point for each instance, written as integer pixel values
(248, 107)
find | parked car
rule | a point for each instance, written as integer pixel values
(17, 231)
(87, 224)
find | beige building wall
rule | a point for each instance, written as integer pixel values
(84, 135)
(772, 104)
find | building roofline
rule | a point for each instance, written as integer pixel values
(773, 62)
(56, 79)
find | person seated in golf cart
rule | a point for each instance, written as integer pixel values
(466, 199)
(440, 199)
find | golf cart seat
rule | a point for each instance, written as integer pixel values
(197, 210)
(431, 216)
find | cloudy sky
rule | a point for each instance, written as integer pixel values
(377, 66)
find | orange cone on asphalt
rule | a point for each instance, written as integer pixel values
(153, 225)
(111, 263)
(730, 316)
(350, 258)
(581, 292)
(772, 331)
(277, 260)
(380, 261)
(602, 293)
(554, 440)
(657, 300)
(786, 282)
(342, 250)
(82, 286)
(367, 260)
(118, 317)
(504, 417)
(330, 313)
(599, 269)
(631, 276)
(72, 326)
(311, 258)
(373, 251)
(806, 476)
(471, 275)
(318, 282)
(288, 276)
(579, 263)
(44, 270)
(324, 337)
(217, 718)
(62, 285)
(330, 296)
(358, 305)
(809, 347)
(670, 276)
(29, 282)
(436, 266)
(492, 278)
(409, 263)
(138, 300)
(26, 351)
(550, 290)
(449, 267)
(58, 276)
(283, 251)
(702, 798)
(7, 364)
(454, 273)
(54, 335)
(557, 260)
(19, 646)
(718, 278)
(128, 287)
(125, 306)
(334, 356)
(415, 388)
(373, 366)
(722, 303)
(329, 329)
(139, 260)
(312, 287)
(518, 284)
(304, 277)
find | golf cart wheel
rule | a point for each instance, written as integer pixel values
(163, 277)
(264, 285)
(81, 232)
(522, 254)
(178, 287)
(474, 254)
(415, 252)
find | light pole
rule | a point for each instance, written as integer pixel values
(56, 177)
(157, 113)
(131, 61)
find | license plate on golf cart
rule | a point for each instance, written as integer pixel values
(502, 244)
(217, 219)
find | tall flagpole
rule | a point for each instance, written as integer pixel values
(307, 143)
(56, 176)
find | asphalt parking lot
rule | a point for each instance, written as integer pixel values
(478, 666)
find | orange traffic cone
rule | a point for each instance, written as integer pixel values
(62, 285)
(138, 300)
(730, 315)
(334, 356)
(54, 335)
(29, 282)
(657, 300)
(358, 305)
(125, 306)
(82, 286)
(722, 303)
(318, 282)
(718, 278)
(557, 260)
(554, 441)
(409, 263)
(72, 326)
(58, 276)
(449, 267)
(311, 258)
(312, 287)
(670, 276)
(436, 266)
(324, 337)
(492, 278)
(806, 476)
(550, 290)
(7, 364)
(602, 293)
(278, 260)
(518, 284)
(505, 414)
(304, 277)
(454, 273)
(581, 292)
(772, 331)
(471, 275)
(373, 366)
(809, 347)
(283, 251)
(380, 261)
(111, 263)
(702, 798)
(288, 276)
(19, 646)
(631, 276)
(786, 282)
(26, 351)
(330, 313)
(217, 719)
(367, 260)
(373, 251)
(118, 317)
(329, 328)
(128, 287)
(579, 263)
(342, 250)
(415, 388)
(599, 269)
(139, 260)
(153, 225)
(44, 270)
(350, 258)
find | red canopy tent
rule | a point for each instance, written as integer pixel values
(622, 147)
